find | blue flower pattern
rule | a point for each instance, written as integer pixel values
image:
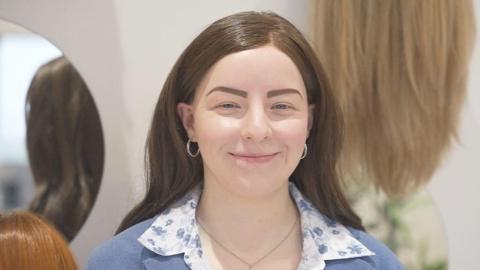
(323, 248)
(355, 249)
(180, 233)
(159, 230)
(175, 231)
(317, 231)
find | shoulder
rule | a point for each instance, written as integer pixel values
(384, 258)
(123, 251)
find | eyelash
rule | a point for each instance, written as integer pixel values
(231, 106)
(285, 106)
(228, 106)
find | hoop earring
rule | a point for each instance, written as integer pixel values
(190, 151)
(305, 150)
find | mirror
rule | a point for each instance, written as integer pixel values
(51, 140)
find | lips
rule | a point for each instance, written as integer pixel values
(254, 157)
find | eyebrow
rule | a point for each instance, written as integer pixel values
(244, 94)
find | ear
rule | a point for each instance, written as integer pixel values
(311, 109)
(185, 111)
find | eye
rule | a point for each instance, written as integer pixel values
(281, 106)
(227, 106)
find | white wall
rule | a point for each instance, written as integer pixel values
(456, 185)
(124, 50)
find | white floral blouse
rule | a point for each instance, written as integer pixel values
(175, 231)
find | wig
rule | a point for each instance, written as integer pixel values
(399, 70)
(30, 242)
(65, 146)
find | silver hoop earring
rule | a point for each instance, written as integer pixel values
(304, 154)
(190, 151)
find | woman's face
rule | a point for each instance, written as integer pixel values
(250, 118)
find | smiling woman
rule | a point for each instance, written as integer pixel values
(230, 184)
(260, 134)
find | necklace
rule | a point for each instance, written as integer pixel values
(252, 264)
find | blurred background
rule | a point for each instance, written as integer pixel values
(21, 54)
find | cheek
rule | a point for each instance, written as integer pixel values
(213, 131)
(293, 133)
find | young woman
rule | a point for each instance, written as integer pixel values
(241, 160)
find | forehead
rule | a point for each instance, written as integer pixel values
(256, 70)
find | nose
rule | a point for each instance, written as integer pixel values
(256, 125)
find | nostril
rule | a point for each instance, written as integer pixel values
(256, 128)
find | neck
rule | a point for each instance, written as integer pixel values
(246, 222)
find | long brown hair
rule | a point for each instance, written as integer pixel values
(29, 242)
(65, 146)
(399, 70)
(170, 173)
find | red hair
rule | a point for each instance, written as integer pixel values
(29, 242)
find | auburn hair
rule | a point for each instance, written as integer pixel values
(27, 242)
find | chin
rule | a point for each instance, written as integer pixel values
(256, 187)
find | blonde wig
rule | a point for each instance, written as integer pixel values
(399, 69)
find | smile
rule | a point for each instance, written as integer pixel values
(254, 158)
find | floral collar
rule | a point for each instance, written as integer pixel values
(175, 231)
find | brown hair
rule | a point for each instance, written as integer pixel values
(65, 146)
(171, 173)
(399, 70)
(29, 242)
